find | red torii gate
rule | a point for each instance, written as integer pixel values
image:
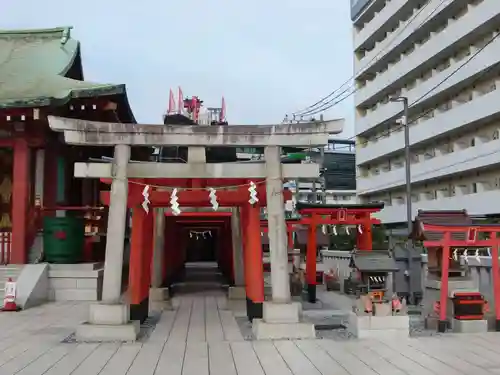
(471, 239)
(194, 193)
(335, 214)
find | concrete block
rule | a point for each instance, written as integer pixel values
(76, 274)
(87, 283)
(109, 314)
(33, 285)
(236, 292)
(469, 326)
(277, 331)
(63, 283)
(76, 295)
(378, 326)
(108, 333)
(282, 312)
(159, 294)
(383, 309)
(76, 267)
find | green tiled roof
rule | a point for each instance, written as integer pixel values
(33, 66)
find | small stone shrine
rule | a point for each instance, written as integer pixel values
(375, 310)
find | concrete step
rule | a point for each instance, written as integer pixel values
(76, 267)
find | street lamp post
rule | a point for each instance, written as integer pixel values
(409, 219)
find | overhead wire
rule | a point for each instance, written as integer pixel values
(481, 75)
(311, 110)
(431, 90)
(428, 92)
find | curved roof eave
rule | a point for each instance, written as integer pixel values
(34, 65)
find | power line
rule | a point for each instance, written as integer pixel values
(451, 74)
(333, 102)
(311, 110)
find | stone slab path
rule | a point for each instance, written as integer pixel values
(200, 336)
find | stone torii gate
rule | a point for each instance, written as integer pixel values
(110, 320)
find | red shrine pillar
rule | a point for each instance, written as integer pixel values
(443, 298)
(289, 232)
(141, 253)
(496, 279)
(170, 248)
(364, 240)
(20, 201)
(254, 271)
(228, 238)
(311, 260)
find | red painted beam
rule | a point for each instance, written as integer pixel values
(461, 243)
(335, 221)
(461, 228)
(188, 222)
(187, 183)
(319, 221)
(204, 214)
(335, 211)
(193, 198)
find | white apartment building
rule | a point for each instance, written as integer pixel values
(413, 49)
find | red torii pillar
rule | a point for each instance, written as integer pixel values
(252, 255)
(141, 254)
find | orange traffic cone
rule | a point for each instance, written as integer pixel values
(9, 300)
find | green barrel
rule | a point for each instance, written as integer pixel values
(63, 239)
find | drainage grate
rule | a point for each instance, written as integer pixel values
(328, 327)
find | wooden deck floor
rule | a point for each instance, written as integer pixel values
(201, 337)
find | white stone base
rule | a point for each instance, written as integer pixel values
(159, 294)
(236, 292)
(108, 322)
(282, 321)
(107, 333)
(109, 314)
(278, 331)
(379, 326)
(159, 299)
(282, 312)
(469, 326)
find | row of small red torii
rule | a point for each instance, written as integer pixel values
(193, 193)
(471, 240)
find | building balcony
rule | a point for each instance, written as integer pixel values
(399, 35)
(458, 33)
(481, 63)
(483, 155)
(373, 29)
(479, 110)
(484, 203)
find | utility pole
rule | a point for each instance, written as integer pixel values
(409, 219)
(322, 180)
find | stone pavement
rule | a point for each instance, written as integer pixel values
(201, 336)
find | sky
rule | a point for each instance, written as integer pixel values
(267, 58)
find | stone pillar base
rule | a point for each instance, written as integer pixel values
(469, 326)
(379, 326)
(282, 321)
(159, 299)
(108, 323)
(236, 292)
(279, 331)
(159, 294)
